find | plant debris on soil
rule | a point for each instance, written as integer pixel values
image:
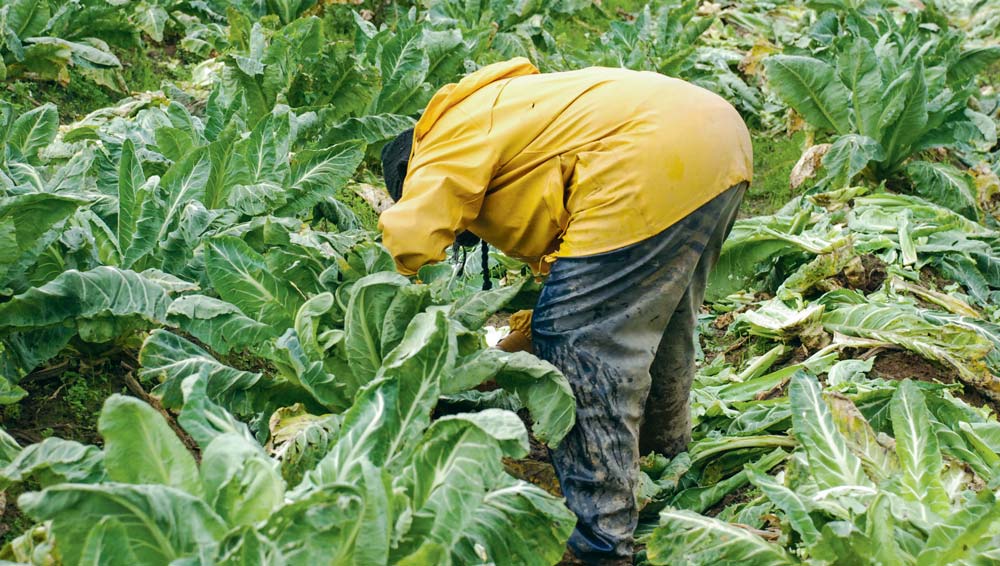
(902, 364)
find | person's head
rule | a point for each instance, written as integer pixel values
(395, 159)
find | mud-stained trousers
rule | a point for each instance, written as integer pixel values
(620, 325)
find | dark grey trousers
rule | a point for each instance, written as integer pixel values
(620, 325)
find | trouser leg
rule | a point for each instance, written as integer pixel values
(606, 360)
(666, 426)
(600, 319)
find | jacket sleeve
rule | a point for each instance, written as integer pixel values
(442, 194)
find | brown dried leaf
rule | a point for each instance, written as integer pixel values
(808, 165)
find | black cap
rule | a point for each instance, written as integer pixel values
(395, 159)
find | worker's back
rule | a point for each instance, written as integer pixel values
(577, 163)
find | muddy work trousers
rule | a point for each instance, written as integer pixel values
(620, 325)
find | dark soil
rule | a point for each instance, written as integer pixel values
(933, 279)
(867, 277)
(12, 522)
(536, 467)
(741, 495)
(902, 364)
(64, 399)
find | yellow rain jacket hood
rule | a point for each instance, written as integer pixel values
(561, 164)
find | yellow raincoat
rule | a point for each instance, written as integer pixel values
(561, 164)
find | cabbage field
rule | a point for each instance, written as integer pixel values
(208, 358)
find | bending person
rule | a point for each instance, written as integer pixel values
(621, 186)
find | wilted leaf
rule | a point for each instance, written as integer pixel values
(945, 185)
(684, 536)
